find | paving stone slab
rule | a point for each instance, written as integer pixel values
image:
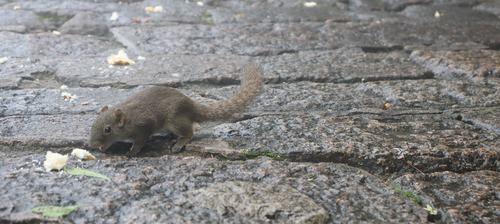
(50, 45)
(169, 70)
(45, 129)
(383, 99)
(86, 23)
(173, 11)
(255, 201)
(428, 95)
(280, 14)
(63, 7)
(486, 118)
(473, 64)
(18, 72)
(381, 143)
(146, 190)
(397, 5)
(437, 95)
(490, 6)
(386, 34)
(250, 39)
(280, 38)
(343, 65)
(460, 198)
(56, 101)
(23, 20)
(452, 15)
(242, 5)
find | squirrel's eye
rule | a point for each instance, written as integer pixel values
(107, 129)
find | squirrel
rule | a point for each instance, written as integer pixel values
(163, 108)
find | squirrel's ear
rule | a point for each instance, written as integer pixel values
(104, 109)
(120, 117)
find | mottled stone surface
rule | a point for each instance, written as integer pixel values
(372, 111)
(459, 198)
(166, 189)
(464, 64)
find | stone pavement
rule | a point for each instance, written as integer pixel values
(372, 111)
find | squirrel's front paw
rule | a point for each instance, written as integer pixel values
(177, 148)
(133, 151)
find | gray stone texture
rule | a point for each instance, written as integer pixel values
(371, 110)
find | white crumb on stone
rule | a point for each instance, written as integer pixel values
(437, 14)
(68, 96)
(154, 9)
(82, 154)
(114, 16)
(121, 58)
(310, 4)
(54, 161)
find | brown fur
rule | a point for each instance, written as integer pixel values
(163, 108)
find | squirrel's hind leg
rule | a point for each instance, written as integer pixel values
(182, 127)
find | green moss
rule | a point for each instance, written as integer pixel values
(254, 154)
(207, 18)
(408, 194)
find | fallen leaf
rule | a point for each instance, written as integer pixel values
(85, 172)
(54, 211)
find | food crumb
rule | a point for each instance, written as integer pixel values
(54, 161)
(82, 154)
(155, 9)
(114, 16)
(387, 106)
(68, 96)
(120, 59)
(437, 14)
(310, 4)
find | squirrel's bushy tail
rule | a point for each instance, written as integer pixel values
(251, 86)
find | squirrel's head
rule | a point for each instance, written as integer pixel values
(108, 128)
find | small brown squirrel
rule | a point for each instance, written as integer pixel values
(163, 108)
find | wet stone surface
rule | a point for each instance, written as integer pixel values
(372, 112)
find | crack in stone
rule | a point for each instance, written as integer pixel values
(381, 49)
